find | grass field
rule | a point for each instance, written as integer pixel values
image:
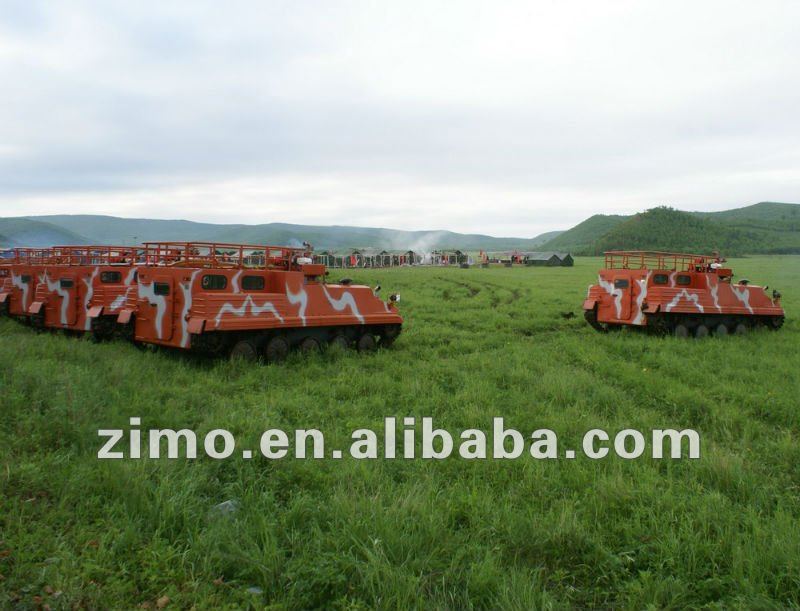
(457, 534)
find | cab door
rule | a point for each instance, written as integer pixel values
(624, 292)
(162, 305)
(68, 308)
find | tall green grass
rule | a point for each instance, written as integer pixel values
(478, 343)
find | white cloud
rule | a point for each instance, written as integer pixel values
(506, 118)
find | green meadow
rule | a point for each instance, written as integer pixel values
(720, 531)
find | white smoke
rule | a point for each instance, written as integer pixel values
(424, 245)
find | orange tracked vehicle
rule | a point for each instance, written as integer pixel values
(7, 260)
(80, 288)
(19, 274)
(245, 300)
(67, 287)
(250, 300)
(677, 293)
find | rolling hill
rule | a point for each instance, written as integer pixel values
(583, 236)
(767, 227)
(764, 211)
(667, 229)
(66, 229)
(33, 233)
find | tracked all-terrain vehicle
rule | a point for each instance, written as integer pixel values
(249, 300)
(19, 274)
(237, 299)
(76, 288)
(677, 293)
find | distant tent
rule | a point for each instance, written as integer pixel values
(326, 258)
(364, 257)
(566, 259)
(548, 259)
(384, 259)
(409, 257)
(373, 257)
(454, 257)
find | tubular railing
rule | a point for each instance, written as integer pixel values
(181, 254)
(649, 259)
(77, 255)
(220, 254)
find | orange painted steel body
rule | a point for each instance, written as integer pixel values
(174, 293)
(19, 276)
(65, 286)
(637, 288)
(188, 289)
(76, 286)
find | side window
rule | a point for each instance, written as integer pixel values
(253, 283)
(3, 273)
(110, 277)
(660, 279)
(66, 283)
(684, 280)
(214, 282)
(26, 279)
(621, 283)
(161, 288)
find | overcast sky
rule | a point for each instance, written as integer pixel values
(506, 118)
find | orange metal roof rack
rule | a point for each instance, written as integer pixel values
(93, 255)
(29, 256)
(77, 255)
(221, 254)
(653, 259)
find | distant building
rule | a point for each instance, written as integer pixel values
(329, 258)
(373, 257)
(450, 257)
(566, 259)
(547, 259)
(409, 257)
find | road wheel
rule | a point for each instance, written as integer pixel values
(309, 346)
(720, 330)
(276, 350)
(340, 342)
(741, 329)
(102, 329)
(681, 330)
(366, 343)
(591, 318)
(701, 332)
(391, 333)
(244, 350)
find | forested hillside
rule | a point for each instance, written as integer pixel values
(768, 227)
